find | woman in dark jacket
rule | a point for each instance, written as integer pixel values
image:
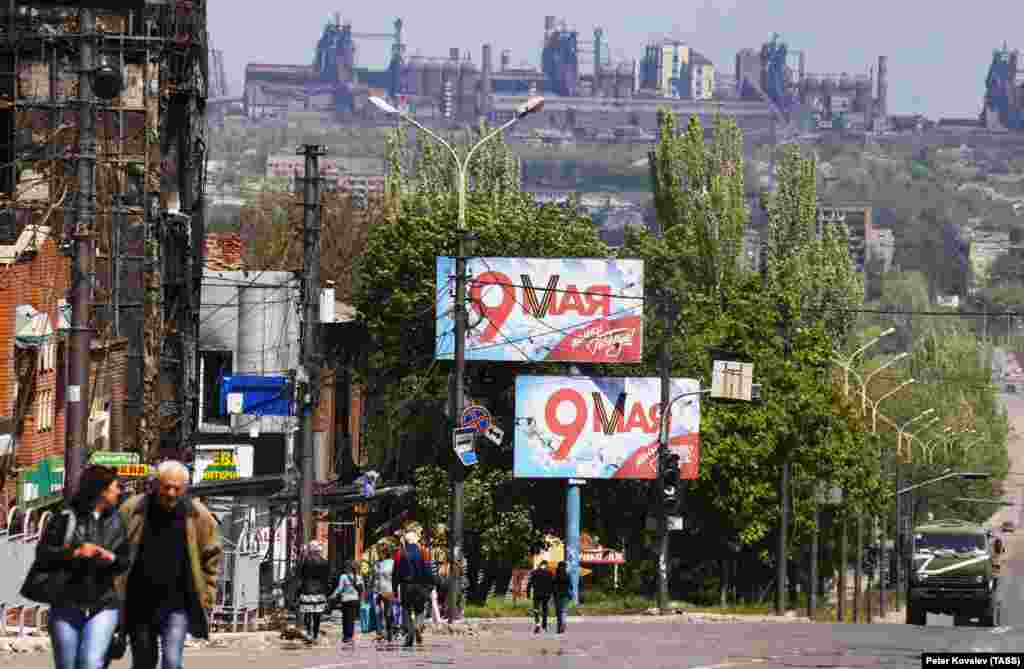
(85, 617)
(314, 584)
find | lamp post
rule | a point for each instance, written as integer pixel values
(457, 471)
(853, 356)
(900, 431)
(867, 381)
(874, 406)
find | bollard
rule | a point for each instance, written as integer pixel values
(3, 618)
(234, 618)
(22, 616)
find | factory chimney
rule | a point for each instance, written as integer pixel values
(506, 60)
(453, 53)
(549, 27)
(486, 67)
(882, 108)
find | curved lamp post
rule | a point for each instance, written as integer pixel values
(847, 363)
(457, 397)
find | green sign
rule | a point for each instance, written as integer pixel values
(42, 482)
(113, 459)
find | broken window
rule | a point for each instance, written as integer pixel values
(216, 365)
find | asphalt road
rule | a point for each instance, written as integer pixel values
(671, 643)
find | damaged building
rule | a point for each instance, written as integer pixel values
(143, 213)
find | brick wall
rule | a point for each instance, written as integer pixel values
(41, 280)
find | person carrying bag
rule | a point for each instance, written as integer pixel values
(77, 559)
(348, 591)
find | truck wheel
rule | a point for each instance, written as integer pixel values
(915, 614)
(988, 618)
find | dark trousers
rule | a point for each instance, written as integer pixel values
(160, 641)
(349, 613)
(540, 611)
(313, 624)
(386, 625)
(561, 603)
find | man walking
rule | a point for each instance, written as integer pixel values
(173, 583)
(413, 576)
(541, 585)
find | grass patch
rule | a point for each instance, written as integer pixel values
(612, 604)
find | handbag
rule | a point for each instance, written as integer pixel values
(44, 586)
(118, 644)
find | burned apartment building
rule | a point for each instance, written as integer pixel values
(133, 220)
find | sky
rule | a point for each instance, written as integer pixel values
(939, 52)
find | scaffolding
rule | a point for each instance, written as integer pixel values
(150, 155)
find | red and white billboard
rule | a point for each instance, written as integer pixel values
(546, 309)
(602, 428)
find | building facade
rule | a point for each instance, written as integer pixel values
(34, 324)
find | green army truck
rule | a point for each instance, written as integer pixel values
(952, 573)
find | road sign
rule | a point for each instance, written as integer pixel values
(133, 471)
(495, 434)
(462, 439)
(113, 459)
(477, 418)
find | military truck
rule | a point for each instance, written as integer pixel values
(952, 573)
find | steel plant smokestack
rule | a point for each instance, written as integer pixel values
(453, 53)
(486, 67)
(882, 109)
(549, 27)
(506, 60)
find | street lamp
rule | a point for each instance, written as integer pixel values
(867, 380)
(853, 356)
(900, 431)
(874, 406)
(948, 474)
(457, 472)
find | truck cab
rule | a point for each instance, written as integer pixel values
(954, 573)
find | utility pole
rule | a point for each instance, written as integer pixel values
(668, 314)
(812, 589)
(82, 261)
(844, 553)
(457, 472)
(310, 325)
(858, 562)
(781, 563)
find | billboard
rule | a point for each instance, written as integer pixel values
(545, 309)
(601, 428)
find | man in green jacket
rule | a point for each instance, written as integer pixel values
(172, 584)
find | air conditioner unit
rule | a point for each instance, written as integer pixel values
(99, 431)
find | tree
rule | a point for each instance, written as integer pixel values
(699, 194)
(396, 297)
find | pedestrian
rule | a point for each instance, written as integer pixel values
(172, 585)
(78, 558)
(414, 578)
(314, 584)
(562, 589)
(385, 589)
(348, 590)
(541, 585)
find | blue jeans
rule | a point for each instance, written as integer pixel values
(168, 629)
(81, 641)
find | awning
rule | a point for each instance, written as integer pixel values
(32, 327)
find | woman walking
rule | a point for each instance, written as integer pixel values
(348, 590)
(86, 549)
(385, 588)
(314, 583)
(562, 588)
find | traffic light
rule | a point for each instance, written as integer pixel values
(668, 466)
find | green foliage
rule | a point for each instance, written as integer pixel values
(500, 518)
(699, 190)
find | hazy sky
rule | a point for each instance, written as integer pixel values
(939, 52)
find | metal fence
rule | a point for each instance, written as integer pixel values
(17, 550)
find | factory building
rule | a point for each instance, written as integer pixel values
(1004, 91)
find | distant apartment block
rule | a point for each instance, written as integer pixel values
(339, 173)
